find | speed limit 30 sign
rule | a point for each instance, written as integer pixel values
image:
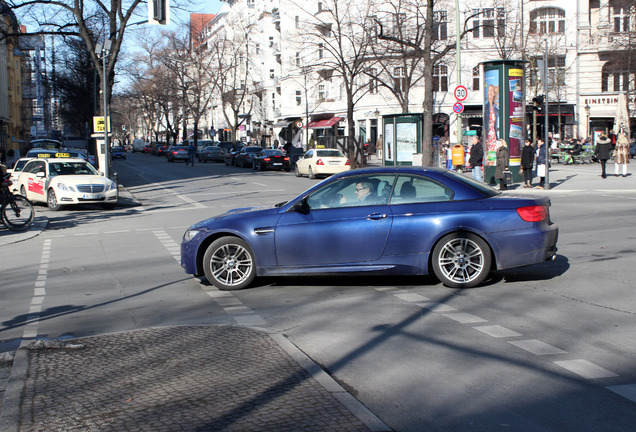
(461, 93)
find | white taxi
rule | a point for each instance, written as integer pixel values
(62, 180)
(15, 172)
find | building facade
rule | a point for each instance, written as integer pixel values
(293, 63)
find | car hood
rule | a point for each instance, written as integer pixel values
(237, 213)
(80, 179)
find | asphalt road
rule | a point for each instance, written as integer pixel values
(547, 347)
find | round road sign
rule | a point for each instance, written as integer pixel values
(458, 107)
(461, 93)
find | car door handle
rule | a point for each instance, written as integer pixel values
(377, 216)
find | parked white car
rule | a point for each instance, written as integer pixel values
(322, 162)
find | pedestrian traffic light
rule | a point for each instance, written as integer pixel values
(538, 103)
(159, 12)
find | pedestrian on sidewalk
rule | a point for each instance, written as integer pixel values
(527, 162)
(476, 159)
(542, 162)
(191, 151)
(621, 153)
(602, 152)
(502, 163)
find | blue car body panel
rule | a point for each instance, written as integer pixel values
(388, 238)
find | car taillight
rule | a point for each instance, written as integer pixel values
(533, 213)
(347, 162)
(267, 159)
(319, 162)
(286, 159)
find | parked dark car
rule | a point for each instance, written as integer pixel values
(389, 220)
(177, 153)
(228, 146)
(231, 155)
(118, 153)
(160, 150)
(245, 156)
(271, 160)
(211, 153)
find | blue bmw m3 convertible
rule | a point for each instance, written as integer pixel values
(389, 220)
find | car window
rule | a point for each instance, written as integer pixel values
(19, 165)
(34, 167)
(71, 168)
(418, 189)
(353, 192)
(329, 153)
(309, 154)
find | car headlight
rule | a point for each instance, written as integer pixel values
(63, 187)
(110, 186)
(190, 234)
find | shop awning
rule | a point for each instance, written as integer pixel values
(282, 123)
(319, 124)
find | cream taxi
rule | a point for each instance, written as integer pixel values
(61, 180)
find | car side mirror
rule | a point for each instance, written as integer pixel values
(301, 206)
(40, 174)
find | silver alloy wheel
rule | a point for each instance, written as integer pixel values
(461, 260)
(51, 200)
(229, 264)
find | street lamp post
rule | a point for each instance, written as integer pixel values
(587, 121)
(103, 51)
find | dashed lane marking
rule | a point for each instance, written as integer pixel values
(586, 369)
(497, 331)
(537, 347)
(32, 324)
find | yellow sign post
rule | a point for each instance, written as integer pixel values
(99, 126)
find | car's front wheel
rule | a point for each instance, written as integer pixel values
(461, 260)
(51, 200)
(228, 264)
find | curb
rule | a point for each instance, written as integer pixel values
(10, 415)
(9, 237)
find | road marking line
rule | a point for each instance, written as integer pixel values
(436, 307)
(32, 323)
(171, 246)
(497, 331)
(191, 201)
(586, 369)
(628, 391)
(464, 318)
(411, 297)
(537, 347)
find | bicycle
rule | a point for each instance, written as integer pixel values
(16, 212)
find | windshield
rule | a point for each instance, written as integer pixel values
(71, 168)
(329, 153)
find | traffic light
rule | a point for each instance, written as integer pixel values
(159, 12)
(538, 103)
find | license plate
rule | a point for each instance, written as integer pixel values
(91, 196)
(279, 163)
(334, 163)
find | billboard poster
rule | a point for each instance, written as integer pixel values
(388, 142)
(491, 115)
(515, 116)
(406, 141)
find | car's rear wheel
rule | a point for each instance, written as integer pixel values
(228, 264)
(311, 174)
(297, 171)
(51, 200)
(461, 260)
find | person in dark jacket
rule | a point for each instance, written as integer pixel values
(527, 162)
(476, 159)
(602, 152)
(542, 163)
(502, 163)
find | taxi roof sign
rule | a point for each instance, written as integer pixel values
(56, 155)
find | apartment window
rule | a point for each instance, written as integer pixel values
(488, 22)
(399, 79)
(299, 99)
(322, 92)
(320, 50)
(619, 16)
(271, 41)
(298, 62)
(476, 78)
(271, 73)
(556, 71)
(373, 81)
(297, 21)
(547, 21)
(440, 78)
(440, 30)
(250, 3)
(257, 48)
(320, 9)
(614, 78)
(274, 101)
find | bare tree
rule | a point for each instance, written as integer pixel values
(342, 49)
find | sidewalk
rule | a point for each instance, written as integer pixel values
(176, 379)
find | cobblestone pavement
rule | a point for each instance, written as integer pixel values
(219, 378)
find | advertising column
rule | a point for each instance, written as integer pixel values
(504, 106)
